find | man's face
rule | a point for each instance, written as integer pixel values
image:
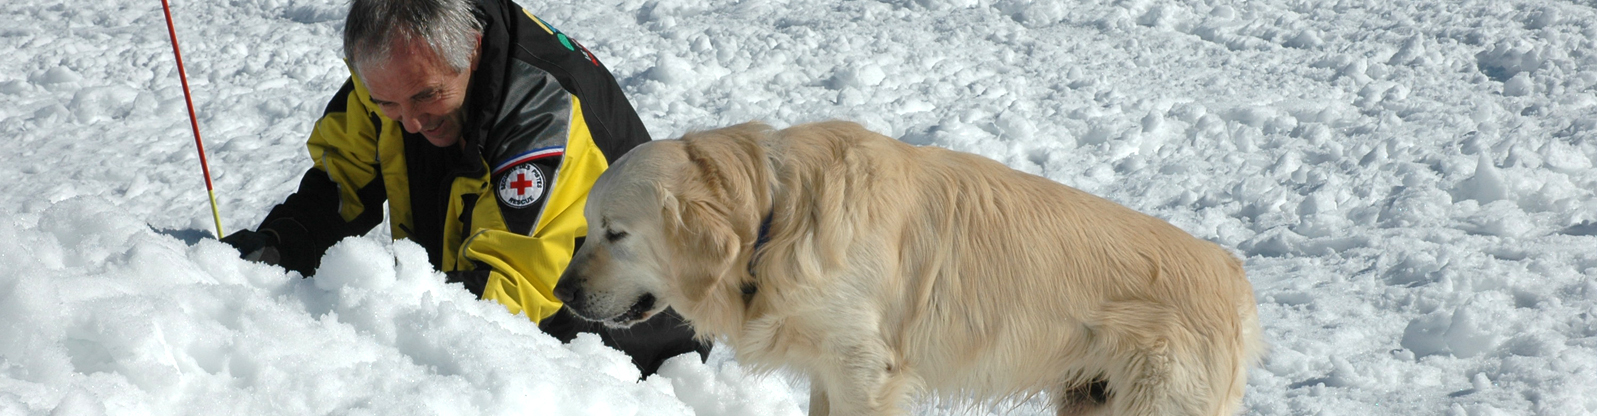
(420, 91)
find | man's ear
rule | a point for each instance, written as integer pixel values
(703, 243)
(476, 53)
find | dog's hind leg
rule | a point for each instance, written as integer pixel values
(1149, 368)
(818, 404)
(1088, 399)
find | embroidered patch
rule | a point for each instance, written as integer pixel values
(521, 186)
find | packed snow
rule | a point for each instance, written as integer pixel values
(1410, 184)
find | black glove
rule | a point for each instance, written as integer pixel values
(474, 280)
(254, 246)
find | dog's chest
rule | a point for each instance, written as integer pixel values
(779, 341)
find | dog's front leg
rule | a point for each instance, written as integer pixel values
(862, 380)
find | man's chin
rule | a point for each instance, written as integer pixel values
(441, 140)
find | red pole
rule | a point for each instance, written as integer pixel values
(194, 122)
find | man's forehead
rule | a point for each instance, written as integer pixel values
(410, 58)
(387, 90)
(399, 78)
(402, 43)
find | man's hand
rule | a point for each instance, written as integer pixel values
(254, 246)
(474, 280)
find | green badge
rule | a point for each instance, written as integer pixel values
(565, 41)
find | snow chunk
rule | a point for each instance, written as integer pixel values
(1518, 86)
(1501, 218)
(1542, 18)
(1508, 57)
(1566, 158)
(1412, 50)
(58, 75)
(1486, 186)
(349, 263)
(14, 87)
(1472, 331)
(1307, 39)
(725, 392)
(1016, 127)
(672, 70)
(1424, 335)
(92, 104)
(868, 75)
(1469, 330)
(1034, 14)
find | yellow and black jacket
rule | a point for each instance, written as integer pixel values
(543, 119)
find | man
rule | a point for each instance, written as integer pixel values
(483, 128)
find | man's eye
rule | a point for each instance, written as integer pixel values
(612, 236)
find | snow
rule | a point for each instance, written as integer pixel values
(1410, 184)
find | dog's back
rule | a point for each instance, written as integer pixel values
(1002, 283)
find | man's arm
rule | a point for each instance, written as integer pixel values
(562, 121)
(526, 250)
(526, 246)
(340, 195)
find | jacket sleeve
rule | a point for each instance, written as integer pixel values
(341, 194)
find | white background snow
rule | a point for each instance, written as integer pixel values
(1410, 183)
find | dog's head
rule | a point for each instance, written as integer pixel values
(668, 225)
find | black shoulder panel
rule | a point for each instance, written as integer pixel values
(340, 101)
(614, 124)
(535, 115)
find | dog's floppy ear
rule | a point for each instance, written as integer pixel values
(711, 211)
(708, 244)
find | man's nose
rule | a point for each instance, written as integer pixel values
(406, 118)
(411, 124)
(401, 113)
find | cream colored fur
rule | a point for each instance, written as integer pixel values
(893, 270)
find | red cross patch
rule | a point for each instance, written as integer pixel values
(521, 186)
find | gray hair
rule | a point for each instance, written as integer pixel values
(449, 27)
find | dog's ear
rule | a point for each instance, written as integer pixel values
(706, 244)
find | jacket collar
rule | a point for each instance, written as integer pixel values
(483, 95)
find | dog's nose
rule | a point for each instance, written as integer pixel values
(567, 289)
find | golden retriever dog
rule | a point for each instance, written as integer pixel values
(883, 271)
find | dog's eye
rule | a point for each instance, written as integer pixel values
(612, 235)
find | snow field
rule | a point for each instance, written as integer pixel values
(1409, 182)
